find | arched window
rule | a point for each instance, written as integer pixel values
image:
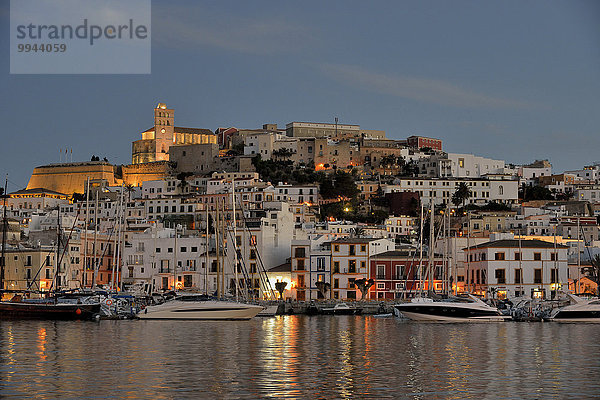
(168, 123)
(500, 190)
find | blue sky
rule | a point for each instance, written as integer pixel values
(511, 80)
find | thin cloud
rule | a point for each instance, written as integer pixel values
(418, 89)
(185, 28)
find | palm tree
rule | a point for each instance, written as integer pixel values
(463, 192)
(363, 284)
(357, 232)
(129, 188)
(280, 287)
(323, 288)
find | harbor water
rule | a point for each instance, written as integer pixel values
(298, 357)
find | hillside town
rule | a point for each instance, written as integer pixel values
(309, 211)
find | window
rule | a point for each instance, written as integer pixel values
(252, 254)
(537, 256)
(400, 272)
(553, 257)
(351, 283)
(300, 264)
(500, 275)
(352, 266)
(518, 275)
(321, 264)
(352, 250)
(537, 275)
(336, 267)
(381, 272)
(336, 248)
(252, 268)
(381, 286)
(169, 250)
(194, 249)
(363, 248)
(499, 257)
(336, 284)
(517, 256)
(183, 249)
(300, 252)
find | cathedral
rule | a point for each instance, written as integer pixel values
(156, 141)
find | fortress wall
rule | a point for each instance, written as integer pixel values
(70, 177)
(135, 174)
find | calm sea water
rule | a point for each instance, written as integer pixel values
(298, 357)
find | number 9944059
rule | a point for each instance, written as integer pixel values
(41, 48)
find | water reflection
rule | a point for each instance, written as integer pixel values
(298, 357)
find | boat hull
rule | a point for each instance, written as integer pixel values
(66, 311)
(203, 311)
(440, 318)
(433, 312)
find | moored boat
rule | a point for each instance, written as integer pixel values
(455, 309)
(48, 309)
(580, 310)
(200, 307)
(341, 309)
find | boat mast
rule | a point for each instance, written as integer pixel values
(235, 251)
(4, 230)
(95, 264)
(430, 268)
(206, 255)
(85, 232)
(217, 243)
(224, 238)
(578, 258)
(468, 283)
(421, 252)
(57, 274)
(175, 261)
(123, 226)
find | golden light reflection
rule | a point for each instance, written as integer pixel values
(42, 341)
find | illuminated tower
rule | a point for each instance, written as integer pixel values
(164, 134)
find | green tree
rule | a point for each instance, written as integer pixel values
(529, 193)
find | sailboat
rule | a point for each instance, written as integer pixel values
(53, 307)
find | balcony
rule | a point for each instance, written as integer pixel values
(381, 276)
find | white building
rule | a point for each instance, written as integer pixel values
(297, 194)
(397, 227)
(350, 260)
(310, 263)
(472, 166)
(482, 190)
(515, 267)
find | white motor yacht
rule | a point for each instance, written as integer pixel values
(199, 307)
(580, 310)
(454, 309)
